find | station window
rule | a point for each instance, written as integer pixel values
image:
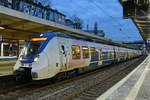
(93, 52)
(85, 51)
(75, 52)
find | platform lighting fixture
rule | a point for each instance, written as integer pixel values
(2, 28)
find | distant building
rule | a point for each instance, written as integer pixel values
(69, 23)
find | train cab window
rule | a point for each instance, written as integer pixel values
(93, 52)
(34, 46)
(85, 51)
(76, 52)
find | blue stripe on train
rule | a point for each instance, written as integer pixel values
(104, 55)
(94, 61)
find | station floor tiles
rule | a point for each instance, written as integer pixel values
(135, 86)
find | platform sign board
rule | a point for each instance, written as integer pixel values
(148, 41)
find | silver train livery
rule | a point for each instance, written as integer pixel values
(47, 54)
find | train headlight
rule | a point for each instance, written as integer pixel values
(36, 58)
(20, 58)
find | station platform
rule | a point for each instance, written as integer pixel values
(6, 65)
(8, 58)
(135, 86)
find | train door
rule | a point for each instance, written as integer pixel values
(118, 55)
(63, 56)
(114, 54)
(100, 57)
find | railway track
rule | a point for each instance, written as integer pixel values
(96, 89)
(67, 89)
(6, 81)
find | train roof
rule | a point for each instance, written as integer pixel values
(65, 35)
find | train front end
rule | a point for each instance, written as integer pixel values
(32, 62)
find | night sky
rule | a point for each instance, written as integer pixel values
(108, 14)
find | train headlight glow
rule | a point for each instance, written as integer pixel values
(36, 58)
(20, 58)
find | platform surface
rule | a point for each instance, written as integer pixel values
(8, 58)
(135, 86)
(6, 65)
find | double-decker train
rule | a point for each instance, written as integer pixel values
(48, 54)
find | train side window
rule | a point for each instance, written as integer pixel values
(108, 55)
(100, 55)
(85, 51)
(112, 54)
(93, 52)
(63, 49)
(76, 52)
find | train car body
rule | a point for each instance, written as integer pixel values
(48, 54)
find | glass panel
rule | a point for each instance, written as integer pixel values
(85, 51)
(93, 53)
(100, 55)
(75, 52)
(33, 48)
(51, 16)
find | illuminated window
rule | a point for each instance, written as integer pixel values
(112, 54)
(109, 55)
(93, 53)
(85, 51)
(100, 55)
(75, 52)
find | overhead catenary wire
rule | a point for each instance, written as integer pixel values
(107, 16)
(122, 26)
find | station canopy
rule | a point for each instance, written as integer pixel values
(139, 12)
(17, 25)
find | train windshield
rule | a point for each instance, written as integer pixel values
(33, 47)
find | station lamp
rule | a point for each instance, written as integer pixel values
(2, 28)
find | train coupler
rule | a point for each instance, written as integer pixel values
(23, 74)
